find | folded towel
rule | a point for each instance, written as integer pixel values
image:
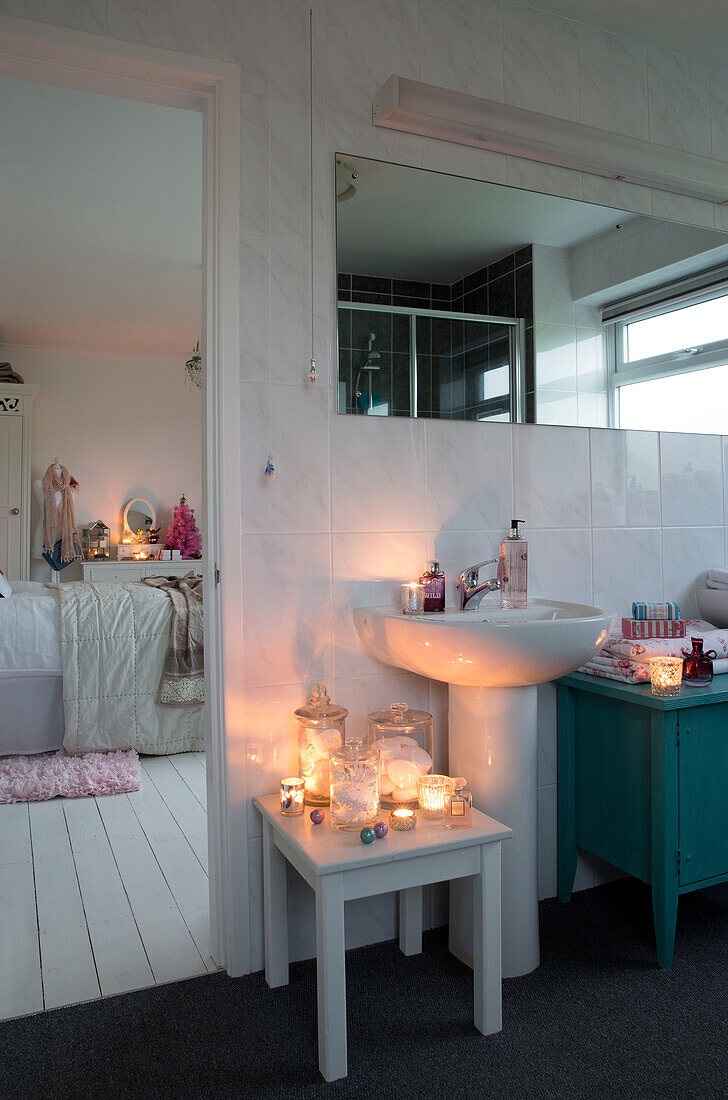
(718, 585)
(667, 647)
(631, 672)
(718, 574)
(656, 610)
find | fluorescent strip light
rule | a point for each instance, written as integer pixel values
(423, 109)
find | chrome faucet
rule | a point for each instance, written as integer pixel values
(470, 585)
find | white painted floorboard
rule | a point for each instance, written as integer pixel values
(100, 896)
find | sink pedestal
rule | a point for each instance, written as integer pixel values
(493, 743)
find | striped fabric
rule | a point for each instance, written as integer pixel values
(655, 611)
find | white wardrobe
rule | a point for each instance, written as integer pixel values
(16, 406)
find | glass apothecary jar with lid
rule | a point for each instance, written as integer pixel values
(321, 728)
(406, 743)
(354, 786)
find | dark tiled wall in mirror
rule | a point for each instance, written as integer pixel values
(453, 357)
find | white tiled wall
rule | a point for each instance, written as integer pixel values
(355, 505)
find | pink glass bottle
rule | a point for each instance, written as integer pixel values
(698, 666)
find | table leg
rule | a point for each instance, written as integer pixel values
(275, 911)
(331, 976)
(410, 921)
(487, 940)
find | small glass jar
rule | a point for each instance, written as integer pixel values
(698, 666)
(406, 742)
(433, 792)
(321, 728)
(413, 598)
(459, 806)
(354, 786)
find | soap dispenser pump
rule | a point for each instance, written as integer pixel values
(513, 568)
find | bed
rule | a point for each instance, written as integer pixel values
(80, 667)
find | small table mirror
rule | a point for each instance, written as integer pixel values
(139, 515)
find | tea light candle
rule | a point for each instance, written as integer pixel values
(666, 675)
(402, 819)
(432, 794)
(413, 598)
(293, 793)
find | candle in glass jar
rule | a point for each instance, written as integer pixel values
(433, 792)
(666, 675)
(413, 598)
(293, 793)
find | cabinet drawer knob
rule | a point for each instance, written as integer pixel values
(14, 511)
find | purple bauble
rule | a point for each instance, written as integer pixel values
(380, 829)
(317, 816)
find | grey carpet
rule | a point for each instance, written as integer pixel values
(597, 1019)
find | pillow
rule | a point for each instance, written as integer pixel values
(5, 589)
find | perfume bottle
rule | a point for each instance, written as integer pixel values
(698, 666)
(513, 567)
(459, 806)
(433, 579)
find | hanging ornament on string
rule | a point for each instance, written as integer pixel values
(270, 470)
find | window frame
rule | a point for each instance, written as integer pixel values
(622, 372)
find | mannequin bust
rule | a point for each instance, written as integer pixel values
(36, 550)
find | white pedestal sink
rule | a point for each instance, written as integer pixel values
(493, 659)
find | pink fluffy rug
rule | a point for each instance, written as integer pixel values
(50, 774)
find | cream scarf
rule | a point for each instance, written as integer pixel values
(59, 522)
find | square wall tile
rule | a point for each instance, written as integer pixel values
(613, 95)
(368, 569)
(627, 567)
(286, 609)
(365, 694)
(457, 550)
(460, 48)
(560, 565)
(625, 472)
(547, 735)
(469, 475)
(551, 475)
(692, 480)
(378, 474)
(192, 26)
(271, 740)
(687, 554)
(679, 114)
(366, 43)
(292, 421)
(540, 66)
(80, 15)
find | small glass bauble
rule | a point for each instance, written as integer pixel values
(321, 728)
(354, 786)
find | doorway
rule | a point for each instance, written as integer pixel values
(46, 55)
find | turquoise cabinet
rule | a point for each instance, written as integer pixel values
(643, 784)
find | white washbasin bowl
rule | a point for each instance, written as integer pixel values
(489, 647)
(713, 605)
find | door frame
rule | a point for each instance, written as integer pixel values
(88, 62)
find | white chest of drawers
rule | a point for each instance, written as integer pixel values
(135, 570)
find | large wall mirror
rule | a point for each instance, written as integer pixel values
(465, 300)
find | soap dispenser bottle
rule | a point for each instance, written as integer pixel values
(513, 567)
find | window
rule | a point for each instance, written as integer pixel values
(670, 359)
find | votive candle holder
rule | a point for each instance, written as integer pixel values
(666, 675)
(433, 792)
(413, 598)
(293, 794)
(402, 819)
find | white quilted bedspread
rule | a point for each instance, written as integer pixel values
(114, 639)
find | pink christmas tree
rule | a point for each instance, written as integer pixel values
(182, 533)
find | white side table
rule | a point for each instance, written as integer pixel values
(338, 867)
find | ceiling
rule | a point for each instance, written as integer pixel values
(406, 223)
(100, 221)
(698, 29)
